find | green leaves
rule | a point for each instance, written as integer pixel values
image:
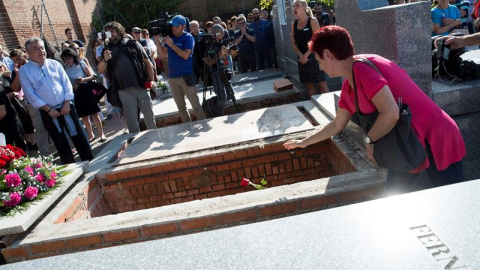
(266, 4)
(134, 12)
(263, 182)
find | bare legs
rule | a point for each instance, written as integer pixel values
(313, 91)
(88, 126)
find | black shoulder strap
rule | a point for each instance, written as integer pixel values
(370, 64)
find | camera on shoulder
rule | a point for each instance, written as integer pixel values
(161, 26)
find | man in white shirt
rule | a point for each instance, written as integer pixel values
(47, 87)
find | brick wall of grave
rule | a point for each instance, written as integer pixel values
(180, 181)
(219, 175)
(89, 203)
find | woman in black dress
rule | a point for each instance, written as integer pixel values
(302, 31)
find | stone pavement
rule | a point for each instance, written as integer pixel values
(431, 229)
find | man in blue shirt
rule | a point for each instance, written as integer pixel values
(246, 46)
(262, 53)
(180, 65)
(47, 87)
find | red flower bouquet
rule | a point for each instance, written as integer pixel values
(23, 179)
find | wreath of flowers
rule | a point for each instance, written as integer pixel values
(23, 179)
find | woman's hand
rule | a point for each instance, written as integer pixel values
(370, 149)
(292, 144)
(303, 60)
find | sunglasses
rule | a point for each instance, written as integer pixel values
(136, 33)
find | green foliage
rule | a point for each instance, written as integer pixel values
(266, 4)
(132, 12)
(326, 3)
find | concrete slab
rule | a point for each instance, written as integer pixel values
(243, 93)
(431, 229)
(22, 221)
(255, 76)
(328, 103)
(215, 132)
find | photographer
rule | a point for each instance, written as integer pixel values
(130, 73)
(181, 78)
(215, 53)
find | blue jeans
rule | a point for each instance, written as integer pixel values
(398, 182)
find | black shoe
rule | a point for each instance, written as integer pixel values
(32, 147)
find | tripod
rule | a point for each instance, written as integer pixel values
(221, 85)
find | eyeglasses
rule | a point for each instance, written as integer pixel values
(242, 23)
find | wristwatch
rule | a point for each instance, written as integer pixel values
(367, 140)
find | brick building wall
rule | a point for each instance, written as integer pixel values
(20, 20)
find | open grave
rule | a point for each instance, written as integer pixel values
(186, 178)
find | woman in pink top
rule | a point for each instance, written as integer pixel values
(437, 132)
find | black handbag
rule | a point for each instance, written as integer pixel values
(191, 79)
(399, 150)
(98, 90)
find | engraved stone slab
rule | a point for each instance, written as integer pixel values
(215, 132)
(432, 229)
(21, 221)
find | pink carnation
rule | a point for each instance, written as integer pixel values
(38, 165)
(53, 175)
(50, 183)
(245, 182)
(15, 199)
(13, 180)
(29, 170)
(30, 193)
(40, 178)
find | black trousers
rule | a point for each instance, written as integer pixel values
(246, 61)
(14, 133)
(60, 139)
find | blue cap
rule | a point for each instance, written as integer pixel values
(179, 20)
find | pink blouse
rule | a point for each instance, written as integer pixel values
(429, 122)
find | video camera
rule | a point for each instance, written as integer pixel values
(212, 45)
(446, 61)
(161, 26)
(218, 76)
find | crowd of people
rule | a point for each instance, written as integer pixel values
(44, 95)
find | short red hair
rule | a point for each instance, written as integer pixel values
(334, 38)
